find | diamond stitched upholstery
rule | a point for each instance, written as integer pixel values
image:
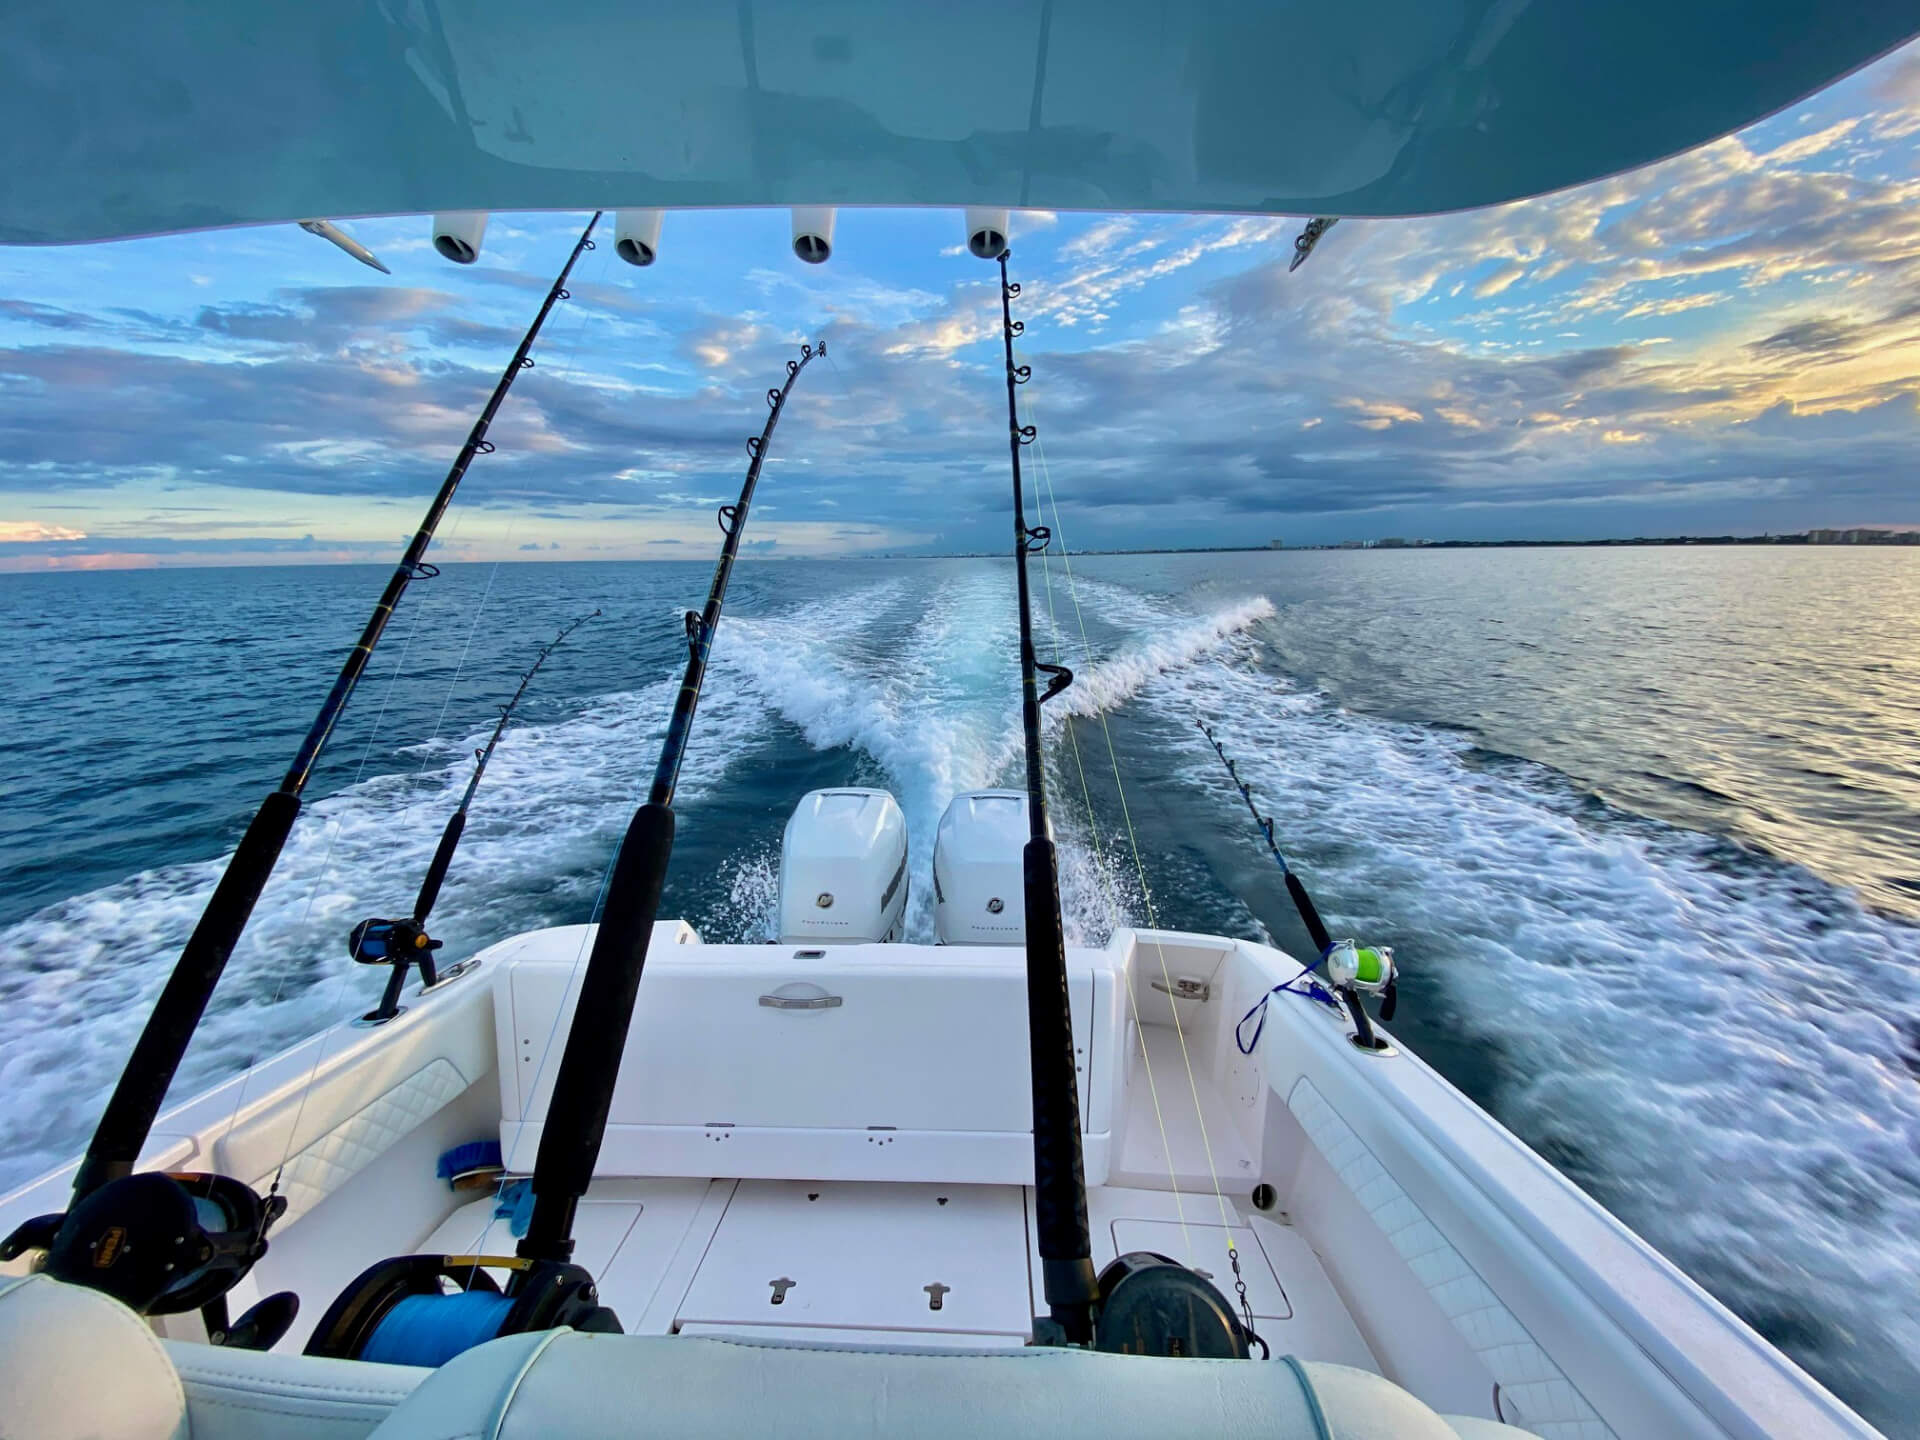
(336, 1157)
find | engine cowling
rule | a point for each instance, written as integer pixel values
(978, 890)
(843, 869)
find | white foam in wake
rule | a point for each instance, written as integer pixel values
(80, 976)
(1169, 645)
(1709, 1038)
(939, 709)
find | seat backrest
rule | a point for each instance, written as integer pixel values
(75, 1363)
(248, 1395)
(563, 1386)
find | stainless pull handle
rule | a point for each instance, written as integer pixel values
(821, 1001)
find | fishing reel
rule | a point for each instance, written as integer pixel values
(164, 1244)
(1351, 968)
(399, 943)
(426, 1309)
(1153, 1305)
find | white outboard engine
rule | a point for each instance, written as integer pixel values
(843, 869)
(978, 891)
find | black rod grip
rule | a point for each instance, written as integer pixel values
(1309, 915)
(437, 871)
(583, 1089)
(1059, 1171)
(157, 1054)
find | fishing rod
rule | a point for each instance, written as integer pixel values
(403, 943)
(1059, 1170)
(1142, 1303)
(583, 1086)
(396, 1310)
(1348, 965)
(102, 1209)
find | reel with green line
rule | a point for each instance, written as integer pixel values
(1351, 968)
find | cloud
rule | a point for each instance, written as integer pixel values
(1807, 146)
(27, 532)
(1478, 371)
(1498, 281)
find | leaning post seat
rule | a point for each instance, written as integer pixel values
(75, 1363)
(564, 1386)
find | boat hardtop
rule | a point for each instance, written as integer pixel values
(609, 1178)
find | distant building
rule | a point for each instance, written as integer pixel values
(1276, 544)
(1392, 542)
(1351, 545)
(1862, 535)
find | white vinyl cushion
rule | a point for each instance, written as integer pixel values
(244, 1394)
(77, 1365)
(363, 1137)
(563, 1386)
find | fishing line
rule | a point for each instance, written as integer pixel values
(569, 366)
(567, 354)
(1146, 896)
(1113, 902)
(326, 862)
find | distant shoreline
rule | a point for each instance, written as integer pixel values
(1889, 537)
(1871, 535)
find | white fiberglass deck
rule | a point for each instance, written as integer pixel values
(858, 1172)
(899, 1263)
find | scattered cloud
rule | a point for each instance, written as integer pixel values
(1730, 339)
(27, 532)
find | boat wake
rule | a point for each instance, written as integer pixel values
(78, 977)
(1720, 1046)
(919, 688)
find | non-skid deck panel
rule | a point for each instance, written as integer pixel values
(939, 1265)
(864, 1259)
(921, 1261)
(1168, 1138)
(626, 1234)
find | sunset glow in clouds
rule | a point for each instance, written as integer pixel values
(1728, 341)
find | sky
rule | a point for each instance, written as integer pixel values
(1725, 342)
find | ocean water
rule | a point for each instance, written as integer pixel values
(1643, 824)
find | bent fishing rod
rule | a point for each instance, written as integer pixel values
(403, 943)
(136, 1100)
(1059, 1166)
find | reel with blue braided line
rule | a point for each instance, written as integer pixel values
(425, 1309)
